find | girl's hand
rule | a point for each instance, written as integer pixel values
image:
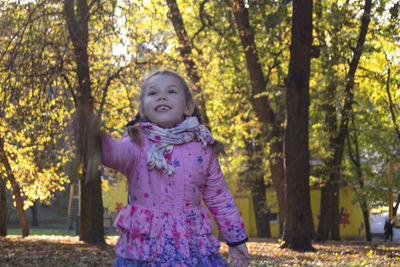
(238, 256)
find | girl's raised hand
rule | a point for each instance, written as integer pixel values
(238, 256)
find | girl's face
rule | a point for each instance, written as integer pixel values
(164, 101)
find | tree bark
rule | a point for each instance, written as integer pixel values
(330, 215)
(356, 159)
(185, 51)
(396, 207)
(391, 104)
(88, 141)
(34, 211)
(255, 177)
(259, 204)
(329, 208)
(16, 190)
(271, 125)
(85, 214)
(3, 207)
(298, 226)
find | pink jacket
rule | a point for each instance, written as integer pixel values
(166, 210)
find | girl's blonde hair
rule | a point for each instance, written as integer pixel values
(132, 127)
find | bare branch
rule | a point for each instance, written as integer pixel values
(391, 105)
(105, 89)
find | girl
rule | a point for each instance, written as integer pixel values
(170, 161)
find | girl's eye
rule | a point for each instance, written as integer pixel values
(151, 93)
(172, 91)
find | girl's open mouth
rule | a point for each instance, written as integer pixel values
(162, 108)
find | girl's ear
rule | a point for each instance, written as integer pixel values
(189, 108)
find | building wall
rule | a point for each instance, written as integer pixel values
(351, 219)
(115, 195)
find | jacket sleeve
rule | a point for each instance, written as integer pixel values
(219, 200)
(118, 155)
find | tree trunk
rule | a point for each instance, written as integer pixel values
(396, 207)
(185, 51)
(259, 204)
(337, 144)
(335, 218)
(16, 190)
(34, 211)
(84, 218)
(323, 225)
(328, 226)
(363, 204)
(78, 30)
(276, 164)
(365, 213)
(264, 112)
(298, 226)
(329, 208)
(254, 174)
(3, 207)
(96, 234)
(356, 159)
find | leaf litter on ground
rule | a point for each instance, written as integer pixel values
(69, 251)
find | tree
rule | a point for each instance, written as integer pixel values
(328, 226)
(89, 140)
(185, 51)
(3, 207)
(260, 102)
(27, 125)
(355, 157)
(377, 114)
(256, 182)
(16, 189)
(254, 173)
(299, 226)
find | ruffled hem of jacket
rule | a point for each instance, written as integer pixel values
(146, 233)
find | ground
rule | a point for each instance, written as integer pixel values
(65, 249)
(69, 251)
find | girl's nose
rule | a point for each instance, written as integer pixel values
(162, 97)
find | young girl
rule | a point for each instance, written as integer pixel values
(171, 164)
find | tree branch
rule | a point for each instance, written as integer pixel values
(391, 105)
(105, 89)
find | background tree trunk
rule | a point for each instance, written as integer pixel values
(356, 159)
(3, 207)
(85, 215)
(271, 125)
(88, 141)
(330, 203)
(16, 190)
(185, 51)
(396, 207)
(254, 174)
(34, 211)
(298, 226)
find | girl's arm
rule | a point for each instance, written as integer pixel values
(118, 155)
(220, 202)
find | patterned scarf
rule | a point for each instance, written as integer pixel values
(165, 139)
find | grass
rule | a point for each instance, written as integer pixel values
(37, 231)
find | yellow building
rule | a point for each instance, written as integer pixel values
(351, 218)
(115, 192)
